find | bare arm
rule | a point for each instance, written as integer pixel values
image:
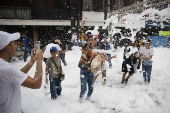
(65, 50)
(60, 52)
(148, 58)
(115, 56)
(44, 49)
(82, 25)
(35, 82)
(28, 66)
(21, 43)
(61, 68)
(46, 74)
(142, 56)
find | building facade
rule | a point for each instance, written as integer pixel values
(45, 19)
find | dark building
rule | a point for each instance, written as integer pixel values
(45, 20)
(41, 19)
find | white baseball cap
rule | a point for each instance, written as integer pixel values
(57, 40)
(6, 38)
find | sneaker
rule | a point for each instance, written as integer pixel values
(147, 83)
(87, 98)
(126, 81)
(65, 64)
(122, 82)
(80, 100)
(59, 94)
(104, 82)
(144, 79)
(53, 98)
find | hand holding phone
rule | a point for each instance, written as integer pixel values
(36, 46)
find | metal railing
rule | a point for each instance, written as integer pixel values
(15, 9)
(7, 12)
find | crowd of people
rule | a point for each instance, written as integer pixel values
(135, 55)
(132, 60)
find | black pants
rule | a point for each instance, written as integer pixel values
(62, 56)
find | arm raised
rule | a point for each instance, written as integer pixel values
(35, 82)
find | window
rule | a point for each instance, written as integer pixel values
(93, 5)
(87, 5)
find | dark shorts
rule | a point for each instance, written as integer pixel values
(125, 69)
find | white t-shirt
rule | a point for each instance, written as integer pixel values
(74, 37)
(147, 52)
(141, 49)
(11, 79)
(47, 50)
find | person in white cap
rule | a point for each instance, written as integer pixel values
(11, 78)
(63, 50)
(46, 50)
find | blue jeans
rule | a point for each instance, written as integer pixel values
(74, 43)
(86, 78)
(55, 87)
(28, 50)
(147, 69)
(110, 63)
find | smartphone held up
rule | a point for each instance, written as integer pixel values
(36, 46)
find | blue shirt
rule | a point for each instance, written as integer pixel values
(25, 40)
(100, 47)
(108, 46)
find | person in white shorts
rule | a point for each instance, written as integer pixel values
(103, 66)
